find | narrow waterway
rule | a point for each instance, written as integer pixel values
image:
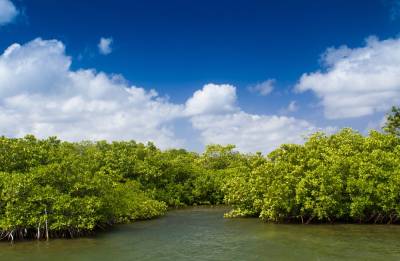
(203, 234)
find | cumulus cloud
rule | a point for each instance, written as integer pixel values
(105, 45)
(212, 99)
(251, 132)
(40, 94)
(263, 88)
(8, 12)
(292, 107)
(214, 114)
(357, 82)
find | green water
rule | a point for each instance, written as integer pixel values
(203, 234)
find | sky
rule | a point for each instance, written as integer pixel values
(185, 74)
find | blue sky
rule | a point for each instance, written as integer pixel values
(252, 53)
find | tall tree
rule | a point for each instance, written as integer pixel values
(392, 125)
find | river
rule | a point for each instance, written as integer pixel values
(203, 234)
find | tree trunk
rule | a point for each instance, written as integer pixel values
(47, 230)
(38, 232)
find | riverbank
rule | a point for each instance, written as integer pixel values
(50, 188)
(201, 233)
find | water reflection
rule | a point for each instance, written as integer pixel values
(203, 234)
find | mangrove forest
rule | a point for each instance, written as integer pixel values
(51, 188)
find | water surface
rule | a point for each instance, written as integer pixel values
(203, 234)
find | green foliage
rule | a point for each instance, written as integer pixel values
(392, 125)
(342, 177)
(77, 188)
(50, 188)
(73, 187)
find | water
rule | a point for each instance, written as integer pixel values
(203, 234)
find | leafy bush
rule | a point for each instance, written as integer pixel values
(50, 188)
(341, 177)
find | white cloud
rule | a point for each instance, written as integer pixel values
(212, 99)
(292, 107)
(251, 132)
(42, 95)
(357, 82)
(263, 88)
(214, 114)
(105, 45)
(8, 12)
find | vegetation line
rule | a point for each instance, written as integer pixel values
(50, 188)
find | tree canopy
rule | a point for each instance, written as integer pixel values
(392, 125)
(52, 188)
